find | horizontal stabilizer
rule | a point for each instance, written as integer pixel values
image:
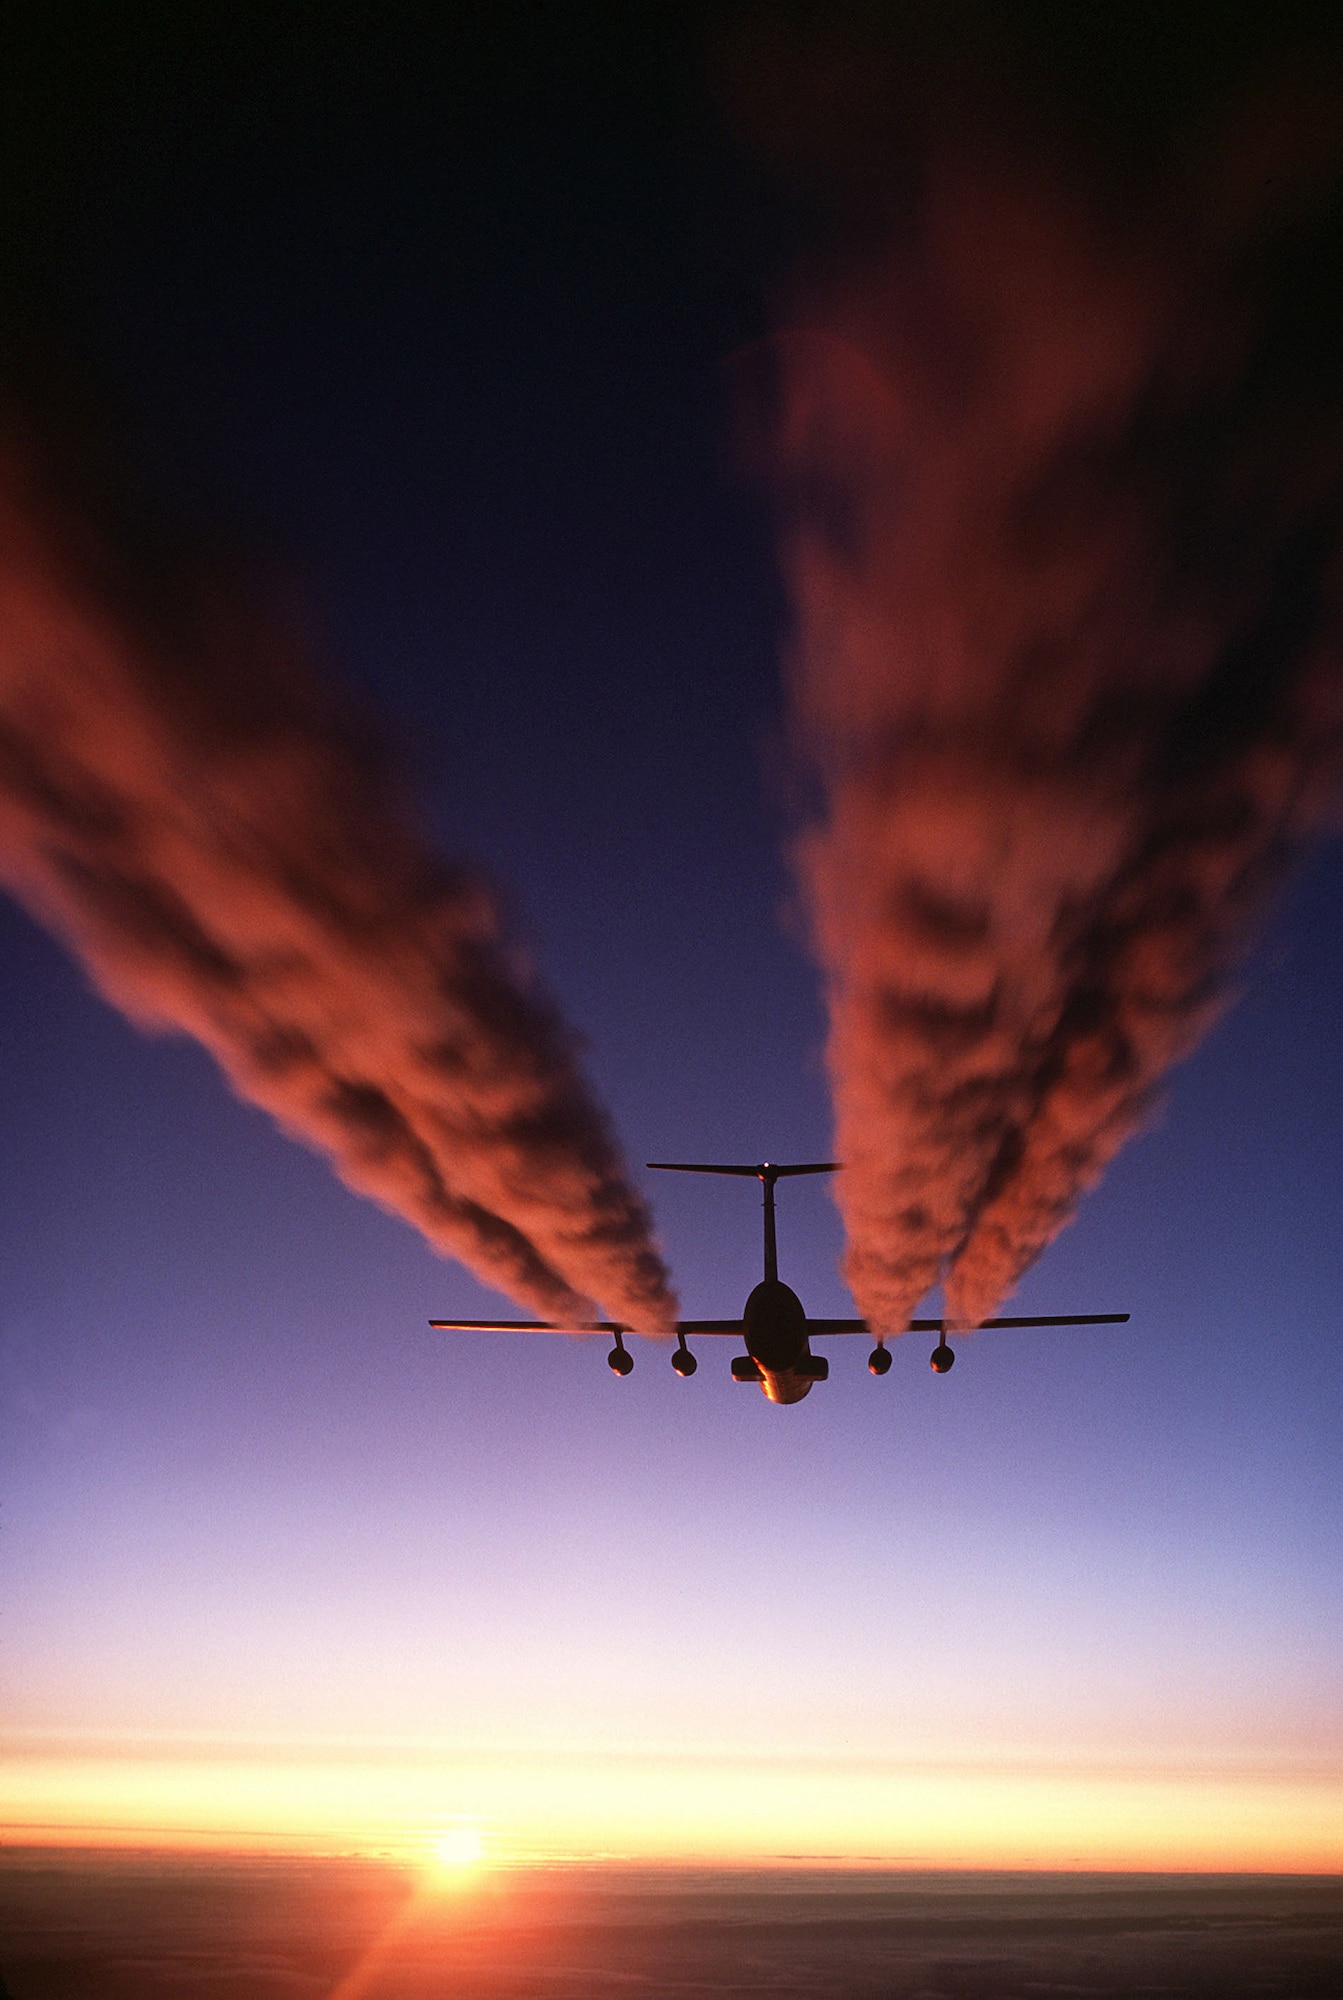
(766, 1169)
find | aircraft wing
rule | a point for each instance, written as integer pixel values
(529, 1326)
(729, 1326)
(937, 1325)
(734, 1326)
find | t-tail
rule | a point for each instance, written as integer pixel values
(766, 1173)
(773, 1323)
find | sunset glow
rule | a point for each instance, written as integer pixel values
(705, 1809)
(458, 1850)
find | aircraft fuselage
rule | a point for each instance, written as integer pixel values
(775, 1328)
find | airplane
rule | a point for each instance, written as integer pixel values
(776, 1331)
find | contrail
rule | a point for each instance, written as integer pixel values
(1057, 442)
(181, 801)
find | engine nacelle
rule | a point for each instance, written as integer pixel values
(941, 1359)
(620, 1361)
(684, 1362)
(879, 1361)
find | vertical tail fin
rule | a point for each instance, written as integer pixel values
(766, 1173)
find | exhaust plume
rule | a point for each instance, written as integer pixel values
(1056, 439)
(181, 802)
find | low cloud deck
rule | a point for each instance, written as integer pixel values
(142, 1927)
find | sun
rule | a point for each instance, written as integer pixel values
(459, 1849)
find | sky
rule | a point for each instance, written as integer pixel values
(447, 332)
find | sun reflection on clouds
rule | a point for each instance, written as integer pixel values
(454, 1857)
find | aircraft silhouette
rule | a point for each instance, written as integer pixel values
(776, 1331)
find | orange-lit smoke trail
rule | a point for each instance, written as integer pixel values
(1059, 462)
(181, 802)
